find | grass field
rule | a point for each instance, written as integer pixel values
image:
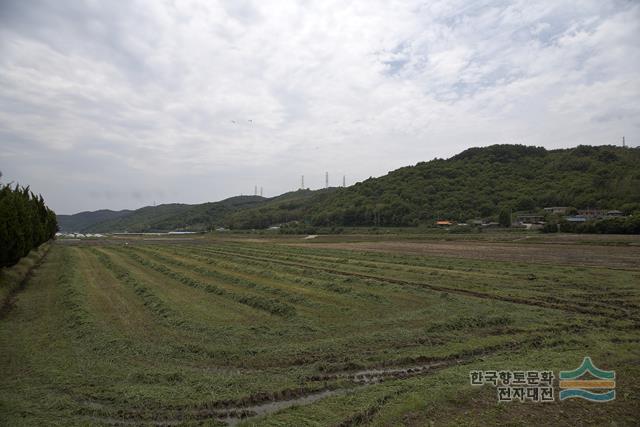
(334, 331)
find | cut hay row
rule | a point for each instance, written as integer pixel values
(223, 277)
(270, 305)
(282, 276)
(584, 309)
(149, 299)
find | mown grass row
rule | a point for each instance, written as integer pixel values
(387, 261)
(577, 283)
(283, 274)
(321, 269)
(535, 287)
(416, 268)
(270, 305)
(521, 278)
(223, 277)
(165, 314)
(151, 301)
(312, 276)
(499, 292)
(76, 317)
(320, 349)
(316, 348)
(302, 273)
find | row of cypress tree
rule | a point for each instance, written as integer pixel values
(25, 223)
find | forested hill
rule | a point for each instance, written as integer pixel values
(166, 217)
(288, 207)
(477, 183)
(480, 181)
(83, 220)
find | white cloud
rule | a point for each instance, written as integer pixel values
(203, 99)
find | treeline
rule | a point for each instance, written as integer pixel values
(477, 183)
(625, 225)
(283, 209)
(25, 223)
(166, 217)
(482, 182)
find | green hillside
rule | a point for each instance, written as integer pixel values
(478, 182)
(83, 220)
(167, 217)
(176, 216)
(287, 207)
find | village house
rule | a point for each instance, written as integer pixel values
(529, 219)
(558, 210)
(591, 213)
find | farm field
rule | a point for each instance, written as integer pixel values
(338, 330)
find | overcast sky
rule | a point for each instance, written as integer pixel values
(117, 104)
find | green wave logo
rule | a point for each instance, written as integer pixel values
(574, 387)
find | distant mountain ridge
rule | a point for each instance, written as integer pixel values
(82, 220)
(166, 217)
(478, 182)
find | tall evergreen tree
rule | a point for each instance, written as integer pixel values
(25, 223)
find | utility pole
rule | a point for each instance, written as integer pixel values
(623, 143)
(302, 183)
(326, 180)
(344, 181)
(255, 190)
